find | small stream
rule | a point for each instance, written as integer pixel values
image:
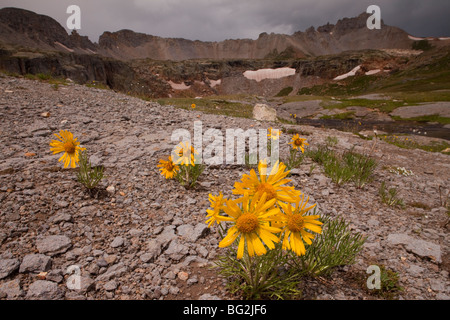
(394, 127)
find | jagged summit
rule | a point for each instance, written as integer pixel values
(25, 28)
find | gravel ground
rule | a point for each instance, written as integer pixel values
(146, 237)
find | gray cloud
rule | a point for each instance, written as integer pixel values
(215, 20)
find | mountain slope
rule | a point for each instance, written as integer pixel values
(347, 34)
(22, 28)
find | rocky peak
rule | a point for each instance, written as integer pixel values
(39, 28)
(124, 37)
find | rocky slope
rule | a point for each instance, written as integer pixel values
(145, 237)
(26, 29)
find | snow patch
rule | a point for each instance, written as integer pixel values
(93, 52)
(444, 38)
(370, 72)
(263, 74)
(214, 83)
(63, 46)
(415, 38)
(348, 74)
(178, 86)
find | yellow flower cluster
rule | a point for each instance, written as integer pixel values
(267, 212)
(186, 157)
(69, 145)
(298, 143)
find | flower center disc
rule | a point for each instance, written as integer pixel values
(69, 147)
(247, 223)
(169, 166)
(295, 223)
(268, 189)
(298, 142)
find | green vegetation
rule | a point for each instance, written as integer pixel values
(423, 45)
(386, 106)
(96, 84)
(390, 197)
(44, 77)
(340, 116)
(389, 284)
(331, 141)
(336, 246)
(346, 167)
(259, 277)
(426, 79)
(188, 175)
(408, 143)
(429, 118)
(284, 92)
(350, 86)
(262, 278)
(87, 175)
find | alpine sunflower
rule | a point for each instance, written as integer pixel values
(168, 168)
(251, 225)
(69, 145)
(273, 184)
(186, 154)
(217, 205)
(298, 143)
(274, 134)
(295, 224)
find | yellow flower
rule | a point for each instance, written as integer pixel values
(186, 154)
(273, 185)
(274, 135)
(298, 143)
(193, 106)
(295, 116)
(69, 146)
(295, 224)
(217, 205)
(168, 168)
(251, 225)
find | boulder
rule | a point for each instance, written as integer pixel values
(263, 112)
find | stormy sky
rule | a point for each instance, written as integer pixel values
(216, 20)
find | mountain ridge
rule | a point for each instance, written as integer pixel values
(43, 32)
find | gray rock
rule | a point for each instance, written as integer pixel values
(422, 248)
(53, 245)
(62, 217)
(86, 284)
(176, 250)
(12, 289)
(415, 270)
(35, 263)
(110, 285)
(185, 230)
(8, 266)
(166, 236)
(116, 270)
(193, 233)
(135, 232)
(44, 290)
(117, 242)
(153, 251)
(440, 108)
(208, 296)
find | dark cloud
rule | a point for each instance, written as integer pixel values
(215, 20)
